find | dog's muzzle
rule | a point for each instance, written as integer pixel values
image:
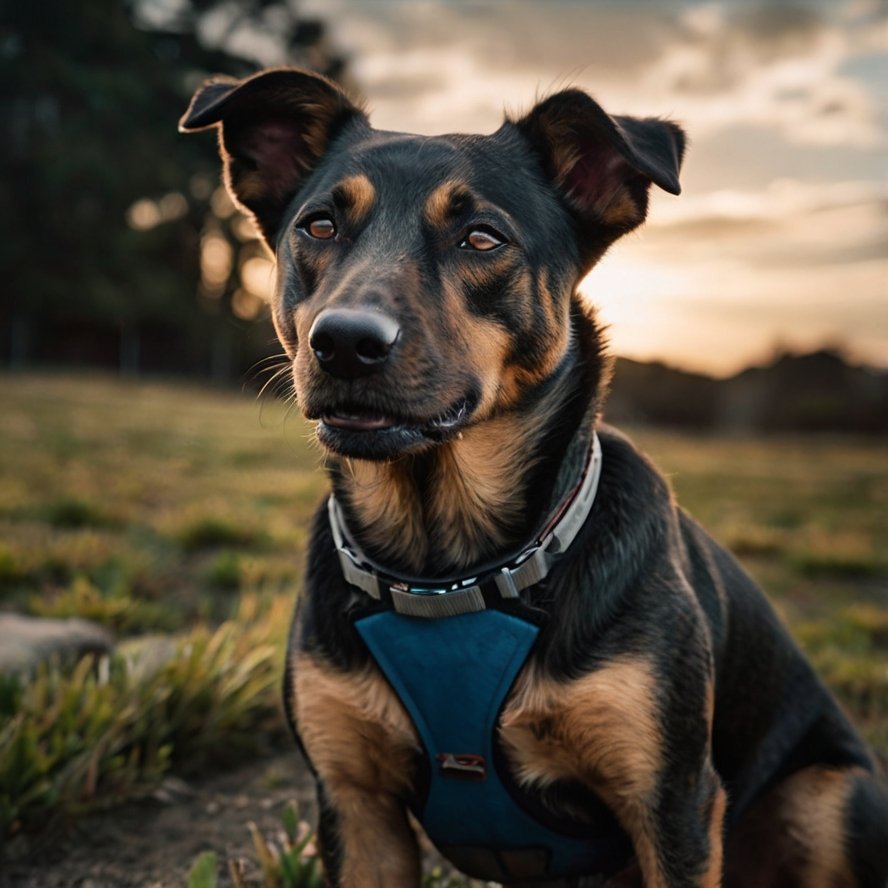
(350, 343)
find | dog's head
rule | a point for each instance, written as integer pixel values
(424, 283)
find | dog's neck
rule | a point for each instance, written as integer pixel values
(481, 495)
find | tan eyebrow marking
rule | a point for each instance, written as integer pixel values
(357, 194)
(445, 201)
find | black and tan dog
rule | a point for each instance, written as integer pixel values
(663, 721)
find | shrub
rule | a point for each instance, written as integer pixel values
(211, 531)
(73, 514)
(94, 736)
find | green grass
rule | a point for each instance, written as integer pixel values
(806, 517)
(153, 507)
(148, 505)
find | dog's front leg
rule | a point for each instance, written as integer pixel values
(679, 844)
(667, 794)
(365, 840)
(654, 768)
(361, 745)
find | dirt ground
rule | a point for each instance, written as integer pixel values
(153, 843)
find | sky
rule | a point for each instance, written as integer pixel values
(779, 239)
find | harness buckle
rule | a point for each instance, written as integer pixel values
(463, 765)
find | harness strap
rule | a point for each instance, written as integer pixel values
(453, 677)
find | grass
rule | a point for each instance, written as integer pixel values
(75, 740)
(289, 859)
(147, 505)
(153, 508)
(806, 517)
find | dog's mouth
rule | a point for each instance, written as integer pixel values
(366, 433)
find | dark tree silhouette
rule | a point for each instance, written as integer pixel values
(118, 247)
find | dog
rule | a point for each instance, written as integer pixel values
(509, 632)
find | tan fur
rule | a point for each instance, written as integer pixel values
(478, 497)
(795, 834)
(620, 210)
(388, 510)
(474, 492)
(554, 338)
(555, 325)
(439, 204)
(615, 206)
(358, 194)
(813, 805)
(362, 743)
(601, 730)
(712, 878)
(473, 497)
(486, 347)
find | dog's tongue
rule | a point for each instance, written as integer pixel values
(359, 422)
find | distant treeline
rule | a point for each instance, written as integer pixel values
(816, 392)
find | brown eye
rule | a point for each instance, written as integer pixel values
(482, 240)
(321, 228)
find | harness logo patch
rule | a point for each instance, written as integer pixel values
(462, 766)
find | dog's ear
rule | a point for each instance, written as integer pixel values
(274, 128)
(604, 165)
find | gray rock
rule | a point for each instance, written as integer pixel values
(25, 642)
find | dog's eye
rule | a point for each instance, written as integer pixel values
(320, 228)
(482, 239)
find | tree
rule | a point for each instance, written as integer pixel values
(111, 219)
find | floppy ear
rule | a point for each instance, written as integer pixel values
(604, 165)
(274, 128)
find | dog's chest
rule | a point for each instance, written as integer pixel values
(599, 730)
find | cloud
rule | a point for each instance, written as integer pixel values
(720, 44)
(805, 229)
(713, 281)
(478, 58)
(775, 64)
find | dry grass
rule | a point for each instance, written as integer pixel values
(156, 507)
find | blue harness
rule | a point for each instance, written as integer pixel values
(451, 650)
(453, 675)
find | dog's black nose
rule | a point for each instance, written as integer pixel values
(350, 342)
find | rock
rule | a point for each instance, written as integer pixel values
(25, 642)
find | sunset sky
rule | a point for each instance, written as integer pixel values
(779, 237)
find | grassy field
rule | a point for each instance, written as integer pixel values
(182, 510)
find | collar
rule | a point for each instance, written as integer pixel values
(447, 596)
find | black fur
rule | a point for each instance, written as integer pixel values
(642, 579)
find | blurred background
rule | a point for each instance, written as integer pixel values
(153, 513)
(122, 251)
